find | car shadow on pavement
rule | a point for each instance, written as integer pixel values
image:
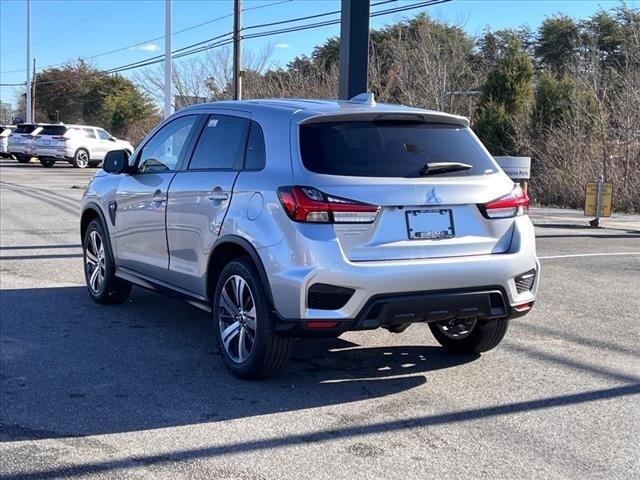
(70, 367)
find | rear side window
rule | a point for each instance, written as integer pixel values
(255, 156)
(54, 130)
(5, 132)
(389, 148)
(25, 128)
(221, 143)
(83, 132)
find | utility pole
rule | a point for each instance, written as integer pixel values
(167, 60)
(237, 50)
(354, 48)
(27, 103)
(33, 94)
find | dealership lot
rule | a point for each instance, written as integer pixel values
(139, 390)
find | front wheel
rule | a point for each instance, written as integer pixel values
(469, 336)
(244, 324)
(99, 268)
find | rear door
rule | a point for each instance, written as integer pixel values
(141, 199)
(421, 215)
(200, 195)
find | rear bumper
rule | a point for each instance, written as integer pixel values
(388, 310)
(61, 154)
(290, 282)
(21, 150)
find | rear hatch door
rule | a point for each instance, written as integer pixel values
(421, 215)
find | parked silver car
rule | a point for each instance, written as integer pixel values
(295, 218)
(5, 131)
(21, 141)
(81, 145)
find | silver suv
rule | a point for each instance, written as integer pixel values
(297, 218)
(81, 145)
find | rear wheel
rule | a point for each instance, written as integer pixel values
(244, 324)
(47, 162)
(469, 336)
(81, 159)
(99, 268)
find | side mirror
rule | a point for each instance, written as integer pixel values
(113, 139)
(116, 161)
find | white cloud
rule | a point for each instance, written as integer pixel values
(283, 45)
(147, 47)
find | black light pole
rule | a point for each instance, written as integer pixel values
(354, 48)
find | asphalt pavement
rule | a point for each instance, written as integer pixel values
(139, 390)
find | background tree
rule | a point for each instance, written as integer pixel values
(78, 93)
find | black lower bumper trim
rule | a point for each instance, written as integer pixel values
(395, 309)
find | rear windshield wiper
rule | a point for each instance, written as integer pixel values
(434, 168)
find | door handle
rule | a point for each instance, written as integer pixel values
(218, 195)
(159, 197)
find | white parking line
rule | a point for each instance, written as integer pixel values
(589, 255)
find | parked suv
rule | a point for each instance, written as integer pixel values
(82, 146)
(21, 140)
(5, 131)
(297, 218)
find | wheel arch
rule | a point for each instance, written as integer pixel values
(90, 213)
(228, 248)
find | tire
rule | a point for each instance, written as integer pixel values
(47, 162)
(265, 352)
(105, 288)
(23, 159)
(81, 159)
(482, 337)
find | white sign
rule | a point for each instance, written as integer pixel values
(518, 168)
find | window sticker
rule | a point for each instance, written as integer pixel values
(213, 122)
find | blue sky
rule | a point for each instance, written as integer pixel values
(63, 30)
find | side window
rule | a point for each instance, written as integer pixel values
(88, 133)
(167, 146)
(255, 155)
(102, 135)
(221, 143)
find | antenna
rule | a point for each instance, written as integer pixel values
(364, 99)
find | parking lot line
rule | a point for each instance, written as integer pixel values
(603, 254)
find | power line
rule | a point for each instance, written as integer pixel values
(145, 42)
(66, 29)
(221, 41)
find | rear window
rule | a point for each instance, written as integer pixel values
(389, 148)
(25, 128)
(54, 130)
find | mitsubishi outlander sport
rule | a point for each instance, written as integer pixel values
(304, 218)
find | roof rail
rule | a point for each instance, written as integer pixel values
(364, 99)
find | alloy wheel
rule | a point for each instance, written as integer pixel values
(95, 262)
(237, 319)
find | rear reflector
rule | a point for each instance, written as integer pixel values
(523, 307)
(512, 205)
(322, 324)
(308, 204)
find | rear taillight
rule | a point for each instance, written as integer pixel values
(308, 204)
(512, 205)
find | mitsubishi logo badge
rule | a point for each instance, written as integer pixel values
(433, 197)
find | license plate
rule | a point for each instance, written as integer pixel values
(430, 223)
